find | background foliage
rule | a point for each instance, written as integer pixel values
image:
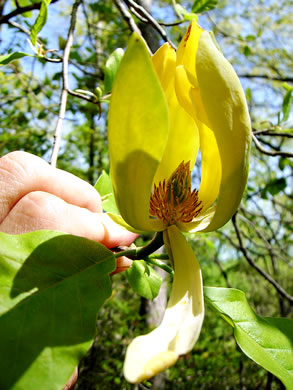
(253, 252)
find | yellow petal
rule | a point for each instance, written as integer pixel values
(137, 134)
(183, 138)
(226, 110)
(199, 223)
(217, 101)
(156, 224)
(186, 52)
(148, 355)
(211, 167)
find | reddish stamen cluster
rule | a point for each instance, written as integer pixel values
(173, 200)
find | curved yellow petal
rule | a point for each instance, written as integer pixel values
(186, 52)
(148, 355)
(220, 109)
(226, 110)
(137, 133)
(199, 223)
(210, 157)
(156, 224)
(186, 74)
(183, 139)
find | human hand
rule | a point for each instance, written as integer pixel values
(36, 196)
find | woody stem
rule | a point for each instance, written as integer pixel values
(145, 251)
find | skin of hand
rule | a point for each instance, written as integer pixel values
(36, 196)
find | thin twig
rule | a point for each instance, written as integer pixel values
(159, 264)
(268, 152)
(274, 133)
(128, 19)
(176, 23)
(20, 27)
(266, 77)
(138, 15)
(265, 275)
(65, 86)
(141, 10)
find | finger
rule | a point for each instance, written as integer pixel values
(22, 173)
(115, 235)
(40, 210)
(122, 264)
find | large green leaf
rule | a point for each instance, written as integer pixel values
(267, 341)
(51, 287)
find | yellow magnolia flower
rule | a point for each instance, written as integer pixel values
(163, 109)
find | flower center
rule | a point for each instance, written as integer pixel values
(173, 201)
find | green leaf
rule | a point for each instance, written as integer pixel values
(5, 59)
(51, 287)
(187, 15)
(105, 189)
(248, 95)
(250, 37)
(274, 187)
(40, 21)
(287, 104)
(267, 341)
(111, 68)
(247, 51)
(143, 279)
(201, 6)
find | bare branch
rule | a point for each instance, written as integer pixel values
(65, 87)
(268, 152)
(176, 23)
(274, 133)
(128, 19)
(250, 261)
(266, 77)
(138, 15)
(140, 10)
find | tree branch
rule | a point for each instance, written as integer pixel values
(268, 152)
(65, 87)
(265, 275)
(21, 10)
(267, 77)
(128, 19)
(273, 133)
(145, 15)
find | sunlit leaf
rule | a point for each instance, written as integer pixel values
(287, 104)
(267, 341)
(7, 58)
(51, 287)
(200, 6)
(143, 279)
(112, 66)
(40, 21)
(105, 189)
(182, 11)
(274, 187)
